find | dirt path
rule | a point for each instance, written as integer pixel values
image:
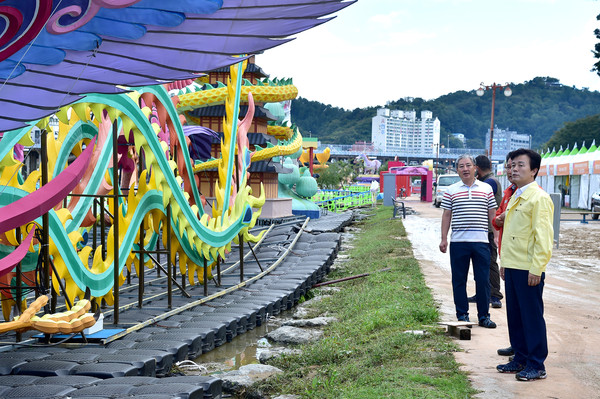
(571, 296)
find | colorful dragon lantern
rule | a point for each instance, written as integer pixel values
(52, 57)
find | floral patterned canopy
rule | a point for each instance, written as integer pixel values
(53, 51)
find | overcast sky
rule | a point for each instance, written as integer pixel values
(382, 50)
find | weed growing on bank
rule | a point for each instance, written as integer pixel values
(373, 351)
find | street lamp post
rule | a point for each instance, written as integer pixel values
(493, 87)
(436, 161)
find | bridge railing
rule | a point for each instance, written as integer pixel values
(444, 153)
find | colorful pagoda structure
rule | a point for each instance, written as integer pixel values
(263, 131)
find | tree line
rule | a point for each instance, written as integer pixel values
(552, 113)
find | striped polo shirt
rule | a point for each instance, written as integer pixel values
(470, 210)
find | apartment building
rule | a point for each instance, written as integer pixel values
(402, 132)
(505, 141)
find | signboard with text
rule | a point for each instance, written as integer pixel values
(543, 170)
(562, 169)
(581, 168)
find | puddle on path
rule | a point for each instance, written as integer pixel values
(243, 349)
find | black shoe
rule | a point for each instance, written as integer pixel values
(486, 322)
(472, 299)
(510, 367)
(530, 374)
(495, 301)
(506, 351)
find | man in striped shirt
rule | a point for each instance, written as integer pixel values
(469, 206)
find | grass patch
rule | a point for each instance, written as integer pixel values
(368, 354)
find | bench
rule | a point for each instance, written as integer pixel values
(399, 205)
(583, 215)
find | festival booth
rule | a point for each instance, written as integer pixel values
(573, 173)
(401, 182)
(402, 179)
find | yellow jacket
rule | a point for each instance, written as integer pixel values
(528, 234)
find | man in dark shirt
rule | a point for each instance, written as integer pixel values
(484, 174)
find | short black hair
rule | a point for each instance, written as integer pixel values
(483, 162)
(509, 156)
(535, 159)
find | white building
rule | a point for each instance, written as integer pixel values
(33, 153)
(460, 137)
(36, 133)
(402, 132)
(506, 141)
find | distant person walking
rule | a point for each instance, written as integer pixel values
(527, 242)
(468, 207)
(484, 173)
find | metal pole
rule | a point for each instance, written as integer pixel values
(158, 256)
(102, 228)
(169, 264)
(241, 239)
(141, 267)
(115, 179)
(95, 234)
(183, 291)
(255, 257)
(45, 219)
(19, 298)
(176, 172)
(492, 123)
(437, 160)
(349, 278)
(205, 278)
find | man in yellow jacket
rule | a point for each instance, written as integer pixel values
(526, 250)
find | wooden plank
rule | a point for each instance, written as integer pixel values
(457, 323)
(459, 329)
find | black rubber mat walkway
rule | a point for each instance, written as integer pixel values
(133, 365)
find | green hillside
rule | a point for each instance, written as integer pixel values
(539, 107)
(584, 129)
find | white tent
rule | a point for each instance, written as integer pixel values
(548, 171)
(576, 169)
(544, 180)
(593, 157)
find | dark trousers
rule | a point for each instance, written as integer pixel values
(461, 255)
(525, 316)
(494, 270)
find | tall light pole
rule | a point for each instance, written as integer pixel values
(493, 87)
(436, 162)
